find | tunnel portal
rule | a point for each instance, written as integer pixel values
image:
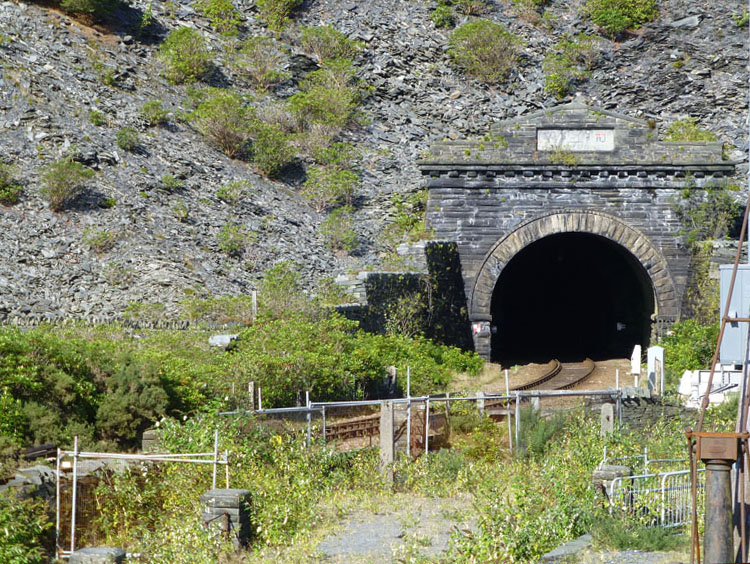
(569, 296)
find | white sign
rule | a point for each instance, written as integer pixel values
(576, 140)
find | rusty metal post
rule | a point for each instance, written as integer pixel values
(718, 541)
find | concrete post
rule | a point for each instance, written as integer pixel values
(228, 510)
(98, 555)
(480, 402)
(251, 395)
(387, 447)
(718, 541)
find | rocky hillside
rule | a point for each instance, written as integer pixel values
(148, 226)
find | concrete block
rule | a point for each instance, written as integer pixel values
(229, 511)
(98, 555)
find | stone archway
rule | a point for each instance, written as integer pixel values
(666, 299)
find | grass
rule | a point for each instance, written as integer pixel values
(612, 533)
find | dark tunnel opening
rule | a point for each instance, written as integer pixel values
(571, 296)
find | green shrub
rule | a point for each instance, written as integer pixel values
(688, 346)
(95, 9)
(275, 13)
(337, 155)
(742, 19)
(408, 223)
(153, 113)
(326, 187)
(10, 190)
(442, 16)
(271, 150)
(337, 230)
(99, 240)
(687, 130)
(171, 183)
(97, 118)
(181, 211)
(568, 60)
(62, 181)
(328, 95)
(615, 16)
(224, 17)
(232, 192)
(127, 139)
(260, 60)
(707, 214)
(23, 527)
(185, 55)
(484, 50)
(234, 239)
(471, 7)
(134, 399)
(226, 121)
(327, 43)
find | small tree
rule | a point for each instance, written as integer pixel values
(260, 60)
(328, 95)
(276, 12)
(272, 150)
(62, 181)
(185, 55)
(226, 121)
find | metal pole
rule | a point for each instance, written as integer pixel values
(260, 398)
(427, 426)
(226, 467)
(518, 423)
(324, 423)
(408, 411)
(309, 431)
(507, 407)
(75, 492)
(255, 305)
(216, 458)
(57, 506)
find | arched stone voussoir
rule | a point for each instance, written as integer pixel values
(573, 221)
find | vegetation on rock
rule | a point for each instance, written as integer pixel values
(484, 50)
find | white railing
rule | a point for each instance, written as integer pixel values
(657, 500)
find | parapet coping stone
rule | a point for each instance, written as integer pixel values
(568, 549)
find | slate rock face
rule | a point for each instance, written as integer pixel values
(690, 62)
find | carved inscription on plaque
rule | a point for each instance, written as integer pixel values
(576, 140)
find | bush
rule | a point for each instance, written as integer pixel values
(276, 12)
(687, 130)
(97, 118)
(327, 43)
(127, 139)
(223, 309)
(326, 187)
(471, 7)
(442, 16)
(234, 239)
(226, 121)
(232, 192)
(10, 190)
(171, 183)
(615, 16)
(95, 9)
(272, 150)
(337, 230)
(62, 181)
(688, 346)
(135, 398)
(327, 95)
(259, 59)
(484, 50)
(222, 14)
(185, 55)
(337, 155)
(23, 527)
(153, 113)
(568, 60)
(618, 534)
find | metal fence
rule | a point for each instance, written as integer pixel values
(657, 500)
(643, 459)
(76, 509)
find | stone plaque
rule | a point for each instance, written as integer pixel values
(577, 140)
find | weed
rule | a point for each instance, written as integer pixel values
(232, 192)
(171, 183)
(618, 534)
(687, 130)
(99, 240)
(181, 211)
(327, 43)
(153, 113)
(97, 118)
(127, 139)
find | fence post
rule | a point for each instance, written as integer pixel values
(662, 513)
(255, 304)
(216, 458)
(57, 505)
(324, 424)
(387, 450)
(408, 411)
(427, 426)
(507, 408)
(518, 422)
(75, 491)
(251, 394)
(480, 402)
(260, 398)
(309, 431)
